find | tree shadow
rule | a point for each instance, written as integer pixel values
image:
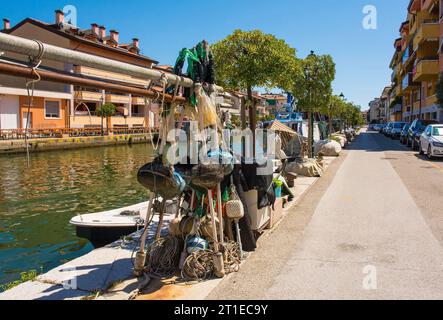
(376, 142)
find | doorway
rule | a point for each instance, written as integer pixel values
(25, 118)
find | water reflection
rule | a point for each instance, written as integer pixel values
(36, 204)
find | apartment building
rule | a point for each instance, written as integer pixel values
(67, 106)
(417, 63)
(276, 102)
(374, 110)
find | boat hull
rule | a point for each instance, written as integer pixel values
(102, 236)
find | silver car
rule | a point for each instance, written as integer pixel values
(431, 141)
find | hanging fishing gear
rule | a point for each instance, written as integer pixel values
(34, 64)
(197, 244)
(200, 68)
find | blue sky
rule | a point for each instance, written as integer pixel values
(326, 26)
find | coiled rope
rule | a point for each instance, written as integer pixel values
(163, 257)
(199, 266)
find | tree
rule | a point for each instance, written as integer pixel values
(312, 88)
(249, 59)
(106, 110)
(351, 115)
(334, 109)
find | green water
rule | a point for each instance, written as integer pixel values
(36, 204)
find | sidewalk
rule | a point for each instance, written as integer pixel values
(109, 270)
(361, 235)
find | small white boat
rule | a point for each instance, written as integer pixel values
(106, 227)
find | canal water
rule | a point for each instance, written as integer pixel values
(36, 204)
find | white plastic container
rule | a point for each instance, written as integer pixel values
(259, 218)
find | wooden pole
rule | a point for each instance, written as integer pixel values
(161, 219)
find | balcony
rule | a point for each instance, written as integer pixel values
(426, 69)
(431, 101)
(428, 5)
(394, 74)
(138, 101)
(115, 98)
(88, 96)
(113, 76)
(408, 83)
(429, 31)
(416, 105)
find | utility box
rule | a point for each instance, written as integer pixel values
(259, 218)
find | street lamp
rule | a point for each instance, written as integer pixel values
(342, 96)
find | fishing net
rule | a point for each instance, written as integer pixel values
(161, 180)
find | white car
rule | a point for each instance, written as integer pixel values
(431, 141)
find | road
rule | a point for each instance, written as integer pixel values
(371, 228)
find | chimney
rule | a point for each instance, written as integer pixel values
(6, 24)
(135, 43)
(94, 28)
(59, 17)
(102, 32)
(114, 36)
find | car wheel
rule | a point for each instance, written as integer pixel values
(429, 153)
(421, 149)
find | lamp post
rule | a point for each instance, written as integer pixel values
(342, 97)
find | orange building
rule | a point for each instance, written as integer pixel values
(65, 106)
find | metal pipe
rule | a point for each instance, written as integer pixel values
(31, 48)
(25, 72)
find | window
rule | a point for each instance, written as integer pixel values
(52, 109)
(438, 131)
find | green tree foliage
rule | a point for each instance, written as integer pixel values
(312, 88)
(352, 115)
(106, 110)
(248, 59)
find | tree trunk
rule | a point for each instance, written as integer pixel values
(243, 114)
(310, 136)
(108, 124)
(103, 127)
(330, 125)
(252, 117)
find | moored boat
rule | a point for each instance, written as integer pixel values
(106, 227)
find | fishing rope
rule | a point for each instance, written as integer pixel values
(163, 131)
(163, 257)
(34, 63)
(151, 135)
(199, 266)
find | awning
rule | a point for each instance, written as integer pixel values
(280, 127)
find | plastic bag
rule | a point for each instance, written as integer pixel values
(208, 109)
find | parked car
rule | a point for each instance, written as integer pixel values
(404, 134)
(377, 127)
(382, 128)
(431, 141)
(418, 126)
(396, 130)
(388, 128)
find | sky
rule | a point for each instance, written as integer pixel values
(332, 27)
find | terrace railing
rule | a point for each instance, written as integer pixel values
(19, 134)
